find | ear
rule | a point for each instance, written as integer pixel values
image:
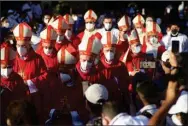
(8, 122)
(105, 120)
(178, 29)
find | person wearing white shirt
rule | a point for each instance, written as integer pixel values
(148, 95)
(174, 35)
(107, 22)
(113, 115)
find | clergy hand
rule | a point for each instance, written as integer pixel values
(32, 87)
(134, 72)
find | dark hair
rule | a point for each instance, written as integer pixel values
(96, 109)
(47, 12)
(184, 118)
(111, 109)
(107, 15)
(148, 90)
(21, 112)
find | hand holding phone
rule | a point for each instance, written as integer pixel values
(175, 46)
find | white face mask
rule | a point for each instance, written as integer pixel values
(136, 49)
(68, 34)
(47, 51)
(139, 30)
(66, 79)
(153, 40)
(109, 56)
(6, 25)
(46, 20)
(107, 26)
(85, 66)
(125, 36)
(6, 72)
(22, 51)
(90, 26)
(159, 21)
(168, 10)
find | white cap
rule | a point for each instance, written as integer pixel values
(22, 32)
(133, 37)
(35, 39)
(165, 56)
(7, 53)
(181, 104)
(96, 92)
(59, 24)
(124, 22)
(90, 14)
(153, 28)
(90, 46)
(67, 55)
(68, 19)
(138, 20)
(108, 39)
(48, 35)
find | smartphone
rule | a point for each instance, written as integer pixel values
(175, 46)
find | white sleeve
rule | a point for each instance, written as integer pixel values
(165, 41)
(32, 87)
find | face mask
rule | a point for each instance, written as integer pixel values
(46, 20)
(159, 21)
(90, 26)
(85, 66)
(109, 56)
(47, 51)
(148, 22)
(174, 32)
(66, 79)
(136, 49)
(6, 72)
(175, 120)
(125, 36)
(107, 26)
(22, 51)
(6, 25)
(168, 10)
(68, 34)
(139, 30)
(153, 40)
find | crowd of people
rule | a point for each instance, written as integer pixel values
(128, 72)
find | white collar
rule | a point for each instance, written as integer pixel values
(117, 117)
(148, 107)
